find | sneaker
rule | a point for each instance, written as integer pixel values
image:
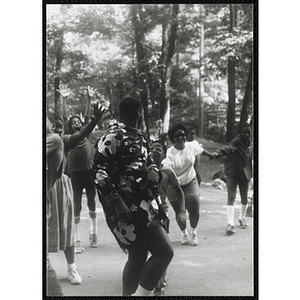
(74, 277)
(194, 241)
(162, 283)
(93, 240)
(78, 248)
(230, 229)
(249, 211)
(159, 291)
(243, 224)
(184, 239)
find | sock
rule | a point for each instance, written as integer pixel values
(193, 231)
(93, 218)
(71, 266)
(141, 292)
(230, 214)
(184, 232)
(243, 211)
(77, 235)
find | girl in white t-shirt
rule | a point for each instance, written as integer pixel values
(181, 157)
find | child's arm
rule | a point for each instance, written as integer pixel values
(206, 153)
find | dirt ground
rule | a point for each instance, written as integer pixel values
(219, 266)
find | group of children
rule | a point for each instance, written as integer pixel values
(134, 179)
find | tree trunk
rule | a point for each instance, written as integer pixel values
(168, 50)
(231, 83)
(231, 100)
(233, 17)
(58, 107)
(247, 98)
(57, 104)
(142, 71)
(201, 89)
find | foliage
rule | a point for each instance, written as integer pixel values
(96, 46)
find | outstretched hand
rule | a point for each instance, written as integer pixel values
(98, 111)
(215, 155)
(91, 91)
(64, 90)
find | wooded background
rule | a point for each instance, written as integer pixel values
(189, 63)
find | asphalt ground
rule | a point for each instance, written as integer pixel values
(219, 266)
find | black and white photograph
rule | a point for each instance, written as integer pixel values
(138, 86)
(150, 149)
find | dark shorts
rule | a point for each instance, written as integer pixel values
(83, 179)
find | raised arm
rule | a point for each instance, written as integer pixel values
(228, 149)
(78, 136)
(206, 153)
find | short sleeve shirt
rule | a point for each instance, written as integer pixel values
(182, 161)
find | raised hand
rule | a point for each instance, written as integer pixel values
(98, 111)
(91, 91)
(64, 90)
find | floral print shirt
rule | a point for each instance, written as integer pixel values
(121, 165)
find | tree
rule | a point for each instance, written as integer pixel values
(231, 82)
(247, 98)
(229, 37)
(156, 60)
(168, 49)
(231, 100)
(137, 20)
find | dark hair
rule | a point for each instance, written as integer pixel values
(174, 128)
(161, 143)
(70, 122)
(129, 106)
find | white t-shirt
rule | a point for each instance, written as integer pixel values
(182, 161)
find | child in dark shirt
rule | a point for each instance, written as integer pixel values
(238, 170)
(80, 168)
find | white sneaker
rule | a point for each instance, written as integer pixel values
(74, 277)
(194, 241)
(93, 240)
(184, 239)
(78, 248)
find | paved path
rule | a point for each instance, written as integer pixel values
(219, 266)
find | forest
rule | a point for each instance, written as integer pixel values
(189, 63)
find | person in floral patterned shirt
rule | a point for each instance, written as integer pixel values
(126, 180)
